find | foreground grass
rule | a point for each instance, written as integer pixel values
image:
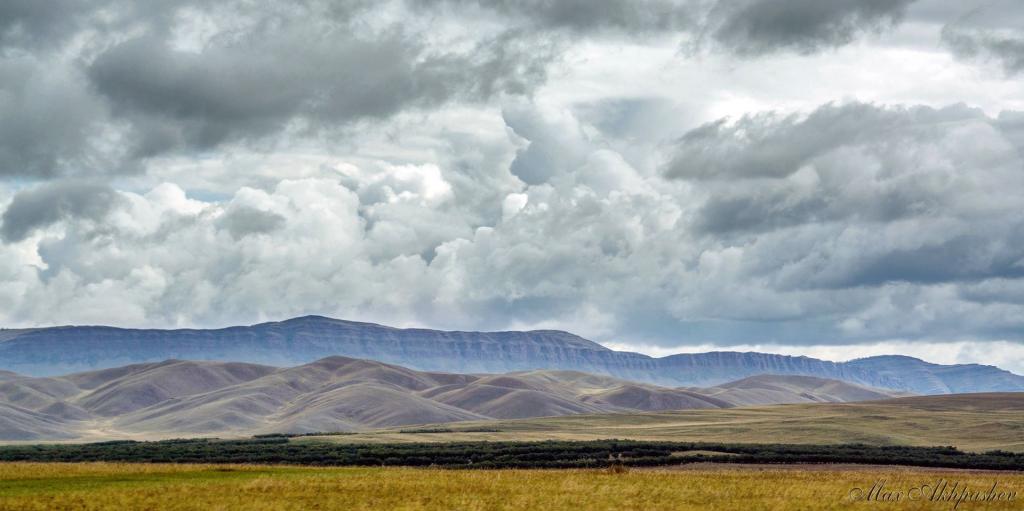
(249, 487)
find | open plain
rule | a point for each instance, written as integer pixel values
(970, 422)
(101, 486)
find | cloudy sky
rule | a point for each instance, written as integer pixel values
(835, 179)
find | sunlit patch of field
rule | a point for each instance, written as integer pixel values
(140, 486)
(968, 422)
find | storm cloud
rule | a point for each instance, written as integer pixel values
(24, 22)
(989, 32)
(755, 27)
(742, 27)
(146, 85)
(1007, 49)
(583, 16)
(177, 99)
(48, 204)
(243, 220)
(48, 120)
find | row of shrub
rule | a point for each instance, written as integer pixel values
(482, 429)
(548, 454)
(297, 435)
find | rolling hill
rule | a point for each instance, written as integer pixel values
(769, 389)
(61, 350)
(201, 398)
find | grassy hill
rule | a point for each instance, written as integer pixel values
(177, 398)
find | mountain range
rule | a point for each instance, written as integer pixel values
(61, 350)
(178, 398)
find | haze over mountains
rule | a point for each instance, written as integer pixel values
(61, 350)
(187, 398)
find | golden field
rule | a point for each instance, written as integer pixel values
(248, 487)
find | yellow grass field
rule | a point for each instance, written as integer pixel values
(210, 487)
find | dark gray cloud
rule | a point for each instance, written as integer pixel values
(44, 25)
(27, 22)
(140, 88)
(768, 145)
(758, 210)
(47, 119)
(1006, 49)
(987, 31)
(299, 72)
(1005, 291)
(757, 27)
(50, 203)
(1011, 124)
(586, 16)
(241, 221)
(765, 206)
(743, 27)
(968, 257)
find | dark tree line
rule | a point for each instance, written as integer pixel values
(548, 454)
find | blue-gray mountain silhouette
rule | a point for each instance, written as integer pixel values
(60, 350)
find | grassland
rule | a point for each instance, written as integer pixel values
(977, 423)
(101, 486)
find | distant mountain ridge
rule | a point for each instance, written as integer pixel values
(60, 350)
(177, 398)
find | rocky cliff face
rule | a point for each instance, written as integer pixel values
(930, 378)
(49, 351)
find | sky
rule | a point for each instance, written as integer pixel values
(833, 179)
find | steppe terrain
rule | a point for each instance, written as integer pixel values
(971, 422)
(101, 486)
